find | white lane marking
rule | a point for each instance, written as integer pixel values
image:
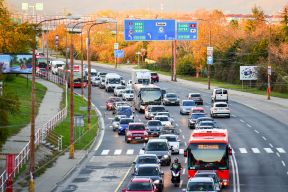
(271, 145)
(268, 150)
(181, 183)
(277, 154)
(256, 131)
(180, 130)
(281, 150)
(283, 163)
(236, 182)
(264, 138)
(185, 144)
(105, 152)
(233, 173)
(183, 172)
(176, 125)
(117, 152)
(242, 120)
(207, 106)
(255, 150)
(110, 118)
(185, 160)
(183, 136)
(242, 150)
(102, 132)
(130, 151)
(253, 108)
(233, 115)
(248, 125)
(139, 120)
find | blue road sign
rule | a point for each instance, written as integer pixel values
(209, 60)
(149, 30)
(187, 30)
(118, 53)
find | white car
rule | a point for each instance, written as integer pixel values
(220, 109)
(118, 90)
(167, 114)
(164, 120)
(95, 81)
(128, 94)
(172, 141)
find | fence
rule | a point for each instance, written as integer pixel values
(40, 135)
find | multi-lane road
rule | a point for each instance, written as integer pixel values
(260, 145)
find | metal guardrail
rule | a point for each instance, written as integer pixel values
(40, 135)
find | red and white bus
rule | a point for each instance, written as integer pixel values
(209, 150)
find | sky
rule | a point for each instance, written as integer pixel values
(86, 7)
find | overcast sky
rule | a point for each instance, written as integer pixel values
(85, 7)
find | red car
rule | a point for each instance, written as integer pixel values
(140, 185)
(136, 132)
(110, 101)
(154, 77)
(197, 110)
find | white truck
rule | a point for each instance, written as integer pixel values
(111, 81)
(141, 76)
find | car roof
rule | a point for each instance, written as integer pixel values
(157, 140)
(153, 120)
(147, 155)
(139, 179)
(155, 105)
(198, 108)
(187, 100)
(201, 179)
(148, 165)
(136, 123)
(220, 102)
(194, 93)
(161, 116)
(167, 135)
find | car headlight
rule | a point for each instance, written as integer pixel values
(156, 181)
(165, 157)
(191, 121)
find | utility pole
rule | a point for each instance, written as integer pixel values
(209, 65)
(116, 41)
(269, 71)
(174, 60)
(71, 133)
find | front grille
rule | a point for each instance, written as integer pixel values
(137, 134)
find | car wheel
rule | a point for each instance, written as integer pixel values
(181, 113)
(229, 116)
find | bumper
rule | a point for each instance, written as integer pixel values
(164, 161)
(121, 131)
(137, 138)
(191, 125)
(221, 114)
(154, 134)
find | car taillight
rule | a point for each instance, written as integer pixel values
(227, 108)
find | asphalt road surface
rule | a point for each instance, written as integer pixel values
(259, 161)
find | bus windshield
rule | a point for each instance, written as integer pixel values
(149, 95)
(208, 156)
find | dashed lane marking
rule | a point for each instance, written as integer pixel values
(117, 152)
(105, 152)
(280, 150)
(268, 150)
(271, 145)
(183, 172)
(283, 163)
(233, 115)
(255, 150)
(242, 120)
(248, 125)
(130, 151)
(256, 131)
(278, 154)
(242, 150)
(264, 138)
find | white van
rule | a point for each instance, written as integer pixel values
(219, 94)
(111, 81)
(55, 65)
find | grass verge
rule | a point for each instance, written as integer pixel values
(21, 87)
(83, 136)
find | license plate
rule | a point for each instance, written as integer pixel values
(172, 101)
(137, 137)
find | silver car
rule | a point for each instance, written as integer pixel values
(115, 121)
(186, 106)
(196, 184)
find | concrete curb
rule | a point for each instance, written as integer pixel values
(96, 143)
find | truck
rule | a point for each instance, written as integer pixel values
(111, 81)
(141, 76)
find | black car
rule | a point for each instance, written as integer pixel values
(196, 97)
(151, 171)
(193, 118)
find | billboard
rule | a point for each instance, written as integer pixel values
(248, 72)
(16, 63)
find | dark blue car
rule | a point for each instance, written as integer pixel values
(123, 125)
(125, 110)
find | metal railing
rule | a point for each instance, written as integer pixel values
(40, 135)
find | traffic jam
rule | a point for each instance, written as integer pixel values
(206, 152)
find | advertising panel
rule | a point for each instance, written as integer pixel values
(16, 63)
(248, 72)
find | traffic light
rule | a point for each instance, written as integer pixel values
(57, 41)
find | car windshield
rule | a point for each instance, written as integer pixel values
(137, 127)
(129, 91)
(197, 115)
(148, 171)
(169, 138)
(171, 95)
(195, 95)
(147, 160)
(139, 186)
(157, 109)
(200, 186)
(164, 113)
(208, 152)
(207, 123)
(124, 111)
(126, 121)
(114, 80)
(189, 103)
(120, 87)
(59, 65)
(157, 146)
(220, 105)
(198, 111)
(154, 123)
(161, 118)
(154, 74)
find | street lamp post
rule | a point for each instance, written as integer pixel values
(33, 105)
(269, 66)
(116, 41)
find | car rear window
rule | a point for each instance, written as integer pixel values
(195, 95)
(221, 105)
(140, 186)
(136, 127)
(154, 123)
(219, 91)
(126, 121)
(225, 91)
(154, 74)
(159, 109)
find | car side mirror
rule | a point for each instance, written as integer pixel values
(171, 148)
(133, 174)
(185, 153)
(143, 148)
(230, 151)
(133, 162)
